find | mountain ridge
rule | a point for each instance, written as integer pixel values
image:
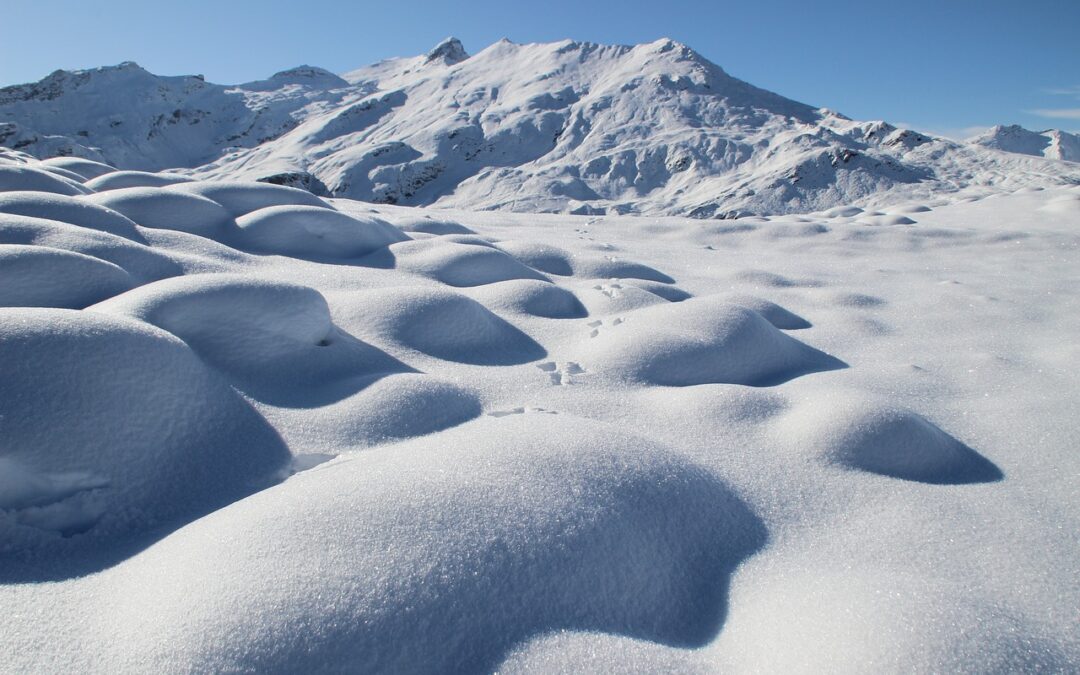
(567, 126)
(1049, 143)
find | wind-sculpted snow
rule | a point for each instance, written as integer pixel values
(142, 262)
(150, 207)
(891, 442)
(274, 340)
(443, 324)
(89, 213)
(118, 180)
(244, 428)
(39, 276)
(570, 127)
(16, 177)
(309, 231)
(700, 341)
(572, 527)
(133, 432)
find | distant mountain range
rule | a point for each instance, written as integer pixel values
(561, 127)
(1052, 144)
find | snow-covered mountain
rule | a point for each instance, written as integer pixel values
(1052, 143)
(561, 127)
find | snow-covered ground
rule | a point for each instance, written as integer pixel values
(248, 429)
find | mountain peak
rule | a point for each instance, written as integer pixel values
(304, 75)
(1051, 143)
(449, 51)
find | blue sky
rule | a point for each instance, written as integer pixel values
(947, 66)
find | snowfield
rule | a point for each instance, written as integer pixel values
(248, 429)
(566, 358)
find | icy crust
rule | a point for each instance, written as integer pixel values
(583, 526)
(122, 429)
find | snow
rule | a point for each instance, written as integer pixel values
(304, 231)
(39, 276)
(247, 428)
(565, 127)
(1052, 143)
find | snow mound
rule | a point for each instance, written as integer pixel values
(662, 289)
(87, 168)
(700, 341)
(553, 260)
(309, 231)
(610, 267)
(618, 295)
(15, 177)
(440, 323)
(885, 220)
(772, 312)
(581, 525)
(273, 340)
(36, 276)
(457, 264)
(539, 256)
(390, 408)
(129, 179)
(163, 209)
(429, 225)
(889, 441)
(239, 198)
(128, 427)
(142, 262)
(528, 296)
(63, 173)
(83, 212)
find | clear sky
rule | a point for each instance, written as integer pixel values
(946, 66)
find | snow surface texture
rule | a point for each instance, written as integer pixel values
(570, 127)
(248, 429)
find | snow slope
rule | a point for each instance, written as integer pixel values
(247, 429)
(1052, 143)
(562, 127)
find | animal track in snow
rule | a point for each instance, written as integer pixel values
(521, 410)
(595, 326)
(612, 290)
(561, 373)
